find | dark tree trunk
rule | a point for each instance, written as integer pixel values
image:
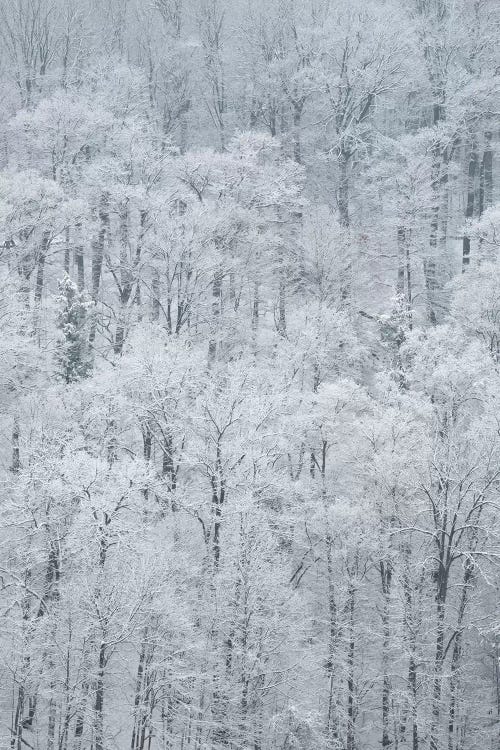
(386, 579)
(79, 262)
(126, 280)
(140, 698)
(441, 596)
(468, 583)
(298, 106)
(99, 699)
(333, 634)
(488, 170)
(343, 191)
(218, 485)
(155, 296)
(97, 259)
(471, 194)
(67, 251)
(16, 456)
(411, 623)
(430, 263)
(39, 281)
(351, 704)
(433, 282)
(216, 314)
(401, 275)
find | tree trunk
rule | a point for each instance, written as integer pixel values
(468, 583)
(80, 715)
(411, 636)
(155, 296)
(430, 263)
(67, 251)
(218, 497)
(471, 194)
(281, 304)
(40, 272)
(441, 594)
(333, 634)
(216, 314)
(386, 579)
(351, 707)
(255, 314)
(401, 275)
(99, 699)
(16, 456)
(282, 287)
(488, 170)
(79, 261)
(298, 105)
(126, 280)
(140, 698)
(97, 259)
(52, 708)
(64, 727)
(432, 282)
(343, 191)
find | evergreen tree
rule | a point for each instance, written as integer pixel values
(73, 354)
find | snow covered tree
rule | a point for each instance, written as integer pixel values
(249, 337)
(73, 356)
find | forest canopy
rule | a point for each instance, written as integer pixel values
(249, 374)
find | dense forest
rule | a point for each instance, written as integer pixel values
(250, 374)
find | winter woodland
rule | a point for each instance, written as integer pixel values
(250, 374)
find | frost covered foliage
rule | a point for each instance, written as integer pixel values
(249, 375)
(72, 351)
